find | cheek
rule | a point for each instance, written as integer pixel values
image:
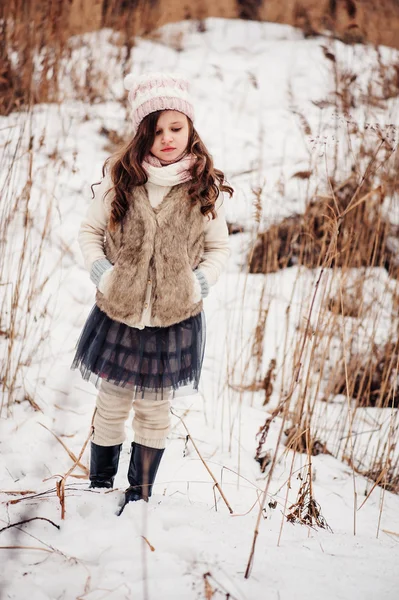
(184, 138)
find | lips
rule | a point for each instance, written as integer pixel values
(168, 149)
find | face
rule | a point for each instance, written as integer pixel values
(171, 135)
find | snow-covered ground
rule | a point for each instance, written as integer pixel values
(248, 79)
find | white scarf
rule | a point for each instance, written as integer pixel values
(169, 174)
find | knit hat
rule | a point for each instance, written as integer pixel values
(157, 91)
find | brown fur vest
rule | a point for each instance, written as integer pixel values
(160, 246)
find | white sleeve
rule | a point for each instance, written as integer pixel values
(92, 228)
(216, 247)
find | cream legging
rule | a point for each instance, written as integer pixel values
(151, 422)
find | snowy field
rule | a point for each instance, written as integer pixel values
(250, 83)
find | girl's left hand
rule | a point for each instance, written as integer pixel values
(197, 293)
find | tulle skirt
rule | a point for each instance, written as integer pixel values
(153, 358)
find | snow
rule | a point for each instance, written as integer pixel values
(247, 79)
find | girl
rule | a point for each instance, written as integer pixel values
(154, 240)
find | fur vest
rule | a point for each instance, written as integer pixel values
(156, 249)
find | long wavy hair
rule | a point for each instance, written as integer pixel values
(126, 171)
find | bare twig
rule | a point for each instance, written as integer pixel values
(28, 521)
(70, 453)
(204, 463)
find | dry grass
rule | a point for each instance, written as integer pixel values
(37, 53)
(23, 311)
(31, 32)
(334, 347)
(306, 510)
(35, 41)
(344, 232)
(373, 377)
(364, 234)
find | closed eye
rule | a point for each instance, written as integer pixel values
(175, 129)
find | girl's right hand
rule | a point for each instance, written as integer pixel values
(103, 284)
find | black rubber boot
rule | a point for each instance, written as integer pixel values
(143, 467)
(104, 462)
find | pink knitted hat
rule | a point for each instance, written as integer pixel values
(157, 91)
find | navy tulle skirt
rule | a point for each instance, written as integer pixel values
(153, 358)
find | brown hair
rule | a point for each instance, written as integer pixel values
(126, 170)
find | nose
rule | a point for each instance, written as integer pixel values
(167, 137)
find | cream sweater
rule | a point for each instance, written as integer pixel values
(91, 241)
